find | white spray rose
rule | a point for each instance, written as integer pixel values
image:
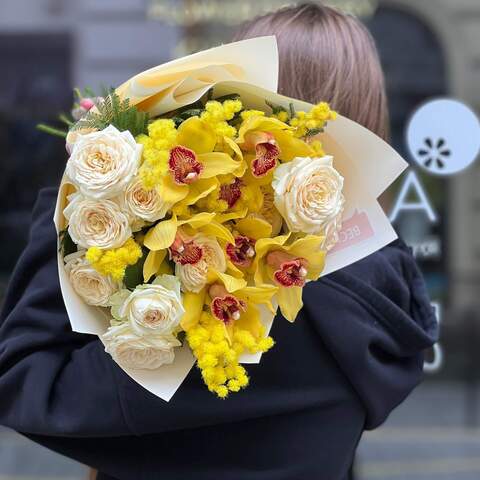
(94, 288)
(151, 308)
(193, 277)
(95, 223)
(131, 350)
(144, 205)
(308, 194)
(74, 135)
(103, 163)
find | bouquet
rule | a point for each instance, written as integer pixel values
(187, 228)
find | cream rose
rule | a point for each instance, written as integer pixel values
(144, 204)
(139, 352)
(308, 194)
(152, 308)
(193, 277)
(103, 163)
(94, 288)
(95, 223)
(74, 135)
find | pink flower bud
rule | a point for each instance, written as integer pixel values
(87, 103)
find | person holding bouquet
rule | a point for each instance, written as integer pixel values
(354, 353)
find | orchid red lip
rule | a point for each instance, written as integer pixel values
(242, 253)
(184, 165)
(231, 192)
(185, 251)
(225, 306)
(289, 271)
(266, 152)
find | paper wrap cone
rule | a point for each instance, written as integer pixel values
(250, 68)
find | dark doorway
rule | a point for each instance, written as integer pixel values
(415, 71)
(34, 86)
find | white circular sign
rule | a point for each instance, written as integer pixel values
(443, 136)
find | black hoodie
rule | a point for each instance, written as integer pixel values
(353, 354)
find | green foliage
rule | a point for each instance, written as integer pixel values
(116, 112)
(182, 116)
(134, 273)
(56, 132)
(67, 245)
(195, 109)
(181, 336)
(276, 109)
(313, 131)
(230, 96)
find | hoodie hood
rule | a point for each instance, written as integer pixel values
(376, 319)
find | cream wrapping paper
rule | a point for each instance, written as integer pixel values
(250, 68)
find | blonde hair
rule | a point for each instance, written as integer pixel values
(327, 55)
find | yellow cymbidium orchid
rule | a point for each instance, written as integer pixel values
(289, 266)
(283, 134)
(194, 165)
(241, 251)
(234, 303)
(259, 123)
(162, 235)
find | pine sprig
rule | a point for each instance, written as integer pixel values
(119, 113)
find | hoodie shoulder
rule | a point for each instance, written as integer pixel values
(376, 319)
(392, 285)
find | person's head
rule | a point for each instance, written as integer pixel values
(326, 55)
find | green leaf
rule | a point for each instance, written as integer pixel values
(179, 118)
(67, 245)
(313, 131)
(195, 105)
(51, 130)
(292, 109)
(134, 273)
(67, 121)
(182, 336)
(230, 96)
(276, 109)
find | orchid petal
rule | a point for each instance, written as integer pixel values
(259, 122)
(290, 301)
(262, 247)
(217, 163)
(193, 305)
(242, 165)
(152, 263)
(231, 284)
(218, 230)
(291, 147)
(199, 220)
(196, 135)
(226, 217)
(200, 189)
(310, 248)
(250, 320)
(260, 294)
(254, 227)
(233, 270)
(172, 192)
(162, 234)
